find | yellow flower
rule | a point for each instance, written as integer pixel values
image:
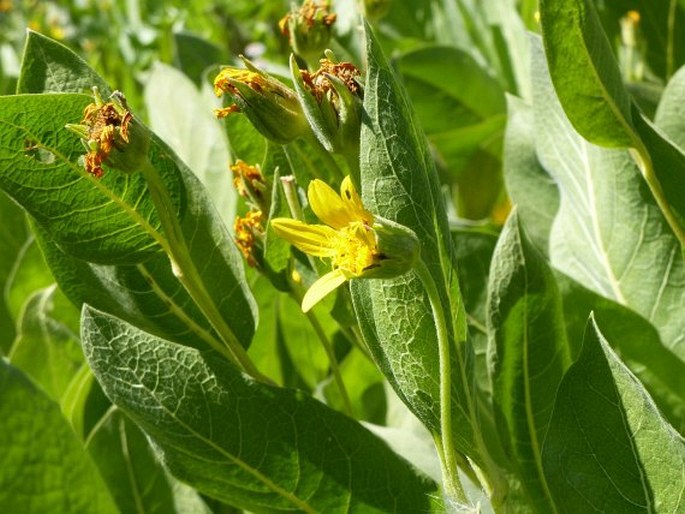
(354, 239)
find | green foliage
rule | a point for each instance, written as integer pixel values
(157, 358)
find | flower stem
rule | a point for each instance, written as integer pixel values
(185, 270)
(296, 293)
(644, 161)
(445, 443)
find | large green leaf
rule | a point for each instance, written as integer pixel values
(399, 182)
(530, 187)
(262, 448)
(635, 339)
(607, 448)
(112, 221)
(149, 295)
(670, 114)
(47, 346)
(529, 353)
(108, 220)
(43, 467)
(609, 235)
(585, 73)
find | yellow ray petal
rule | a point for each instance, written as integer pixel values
(328, 206)
(354, 204)
(322, 287)
(316, 240)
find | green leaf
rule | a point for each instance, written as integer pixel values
(670, 114)
(529, 353)
(609, 234)
(50, 67)
(399, 182)
(136, 479)
(148, 294)
(661, 372)
(47, 346)
(43, 467)
(13, 237)
(585, 74)
(531, 189)
(108, 220)
(115, 215)
(261, 448)
(607, 448)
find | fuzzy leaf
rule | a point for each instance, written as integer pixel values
(607, 448)
(258, 447)
(399, 182)
(529, 353)
(609, 234)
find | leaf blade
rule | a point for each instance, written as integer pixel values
(603, 411)
(214, 426)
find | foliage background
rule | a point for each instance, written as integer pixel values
(506, 140)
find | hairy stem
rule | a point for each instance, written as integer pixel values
(445, 442)
(187, 273)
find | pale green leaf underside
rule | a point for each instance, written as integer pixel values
(399, 182)
(608, 234)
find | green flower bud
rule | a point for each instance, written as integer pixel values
(308, 28)
(271, 106)
(398, 249)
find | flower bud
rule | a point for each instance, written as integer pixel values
(331, 98)
(112, 135)
(398, 249)
(270, 106)
(308, 28)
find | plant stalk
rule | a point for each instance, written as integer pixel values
(445, 442)
(185, 270)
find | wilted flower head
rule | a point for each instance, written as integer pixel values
(309, 27)
(251, 184)
(111, 135)
(271, 106)
(332, 101)
(248, 231)
(320, 82)
(359, 244)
